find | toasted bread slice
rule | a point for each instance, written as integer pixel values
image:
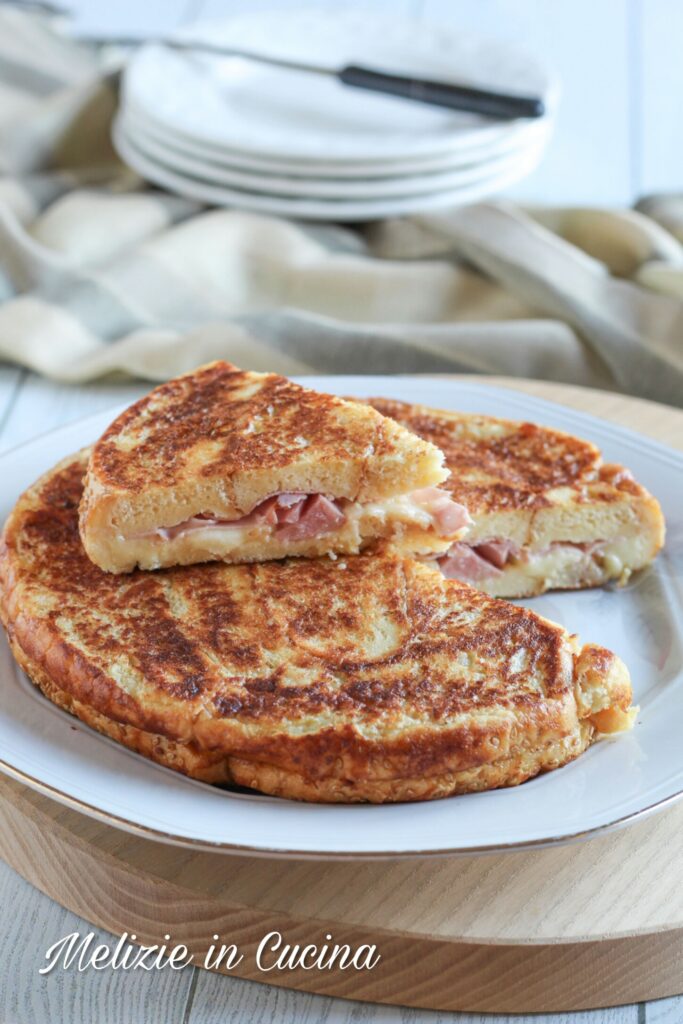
(368, 678)
(225, 464)
(547, 513)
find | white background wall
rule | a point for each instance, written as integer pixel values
(620, 130)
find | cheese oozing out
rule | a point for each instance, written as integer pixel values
(298, 516)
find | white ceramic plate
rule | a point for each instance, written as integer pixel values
(217, 171)
(524, 134)
(266, 111)
(614, 782)
(303, 208)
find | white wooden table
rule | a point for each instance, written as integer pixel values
(30, 922)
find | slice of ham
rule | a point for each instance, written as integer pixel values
(319, 516)
(280, 512)
(296, 516)
(267, 512)
(498, 552)
(463, 563)
(290, 507)
(448, 515)
(477, 562)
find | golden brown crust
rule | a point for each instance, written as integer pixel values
(186, 758)
(540, 488)
(347, 673)
(498, 463)
(214, 767)
(219, 441)
(504, 464)
(507, 772)
(214, 406)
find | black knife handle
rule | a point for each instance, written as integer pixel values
(444, 94)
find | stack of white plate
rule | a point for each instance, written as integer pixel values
(232, 131)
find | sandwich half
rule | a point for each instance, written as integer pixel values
(367, 678)
(222, 464)
(547, 513)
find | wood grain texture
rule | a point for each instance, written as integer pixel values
(28, 927)
(40, 405)
(664, 1011)
(196, 997)
(436, 921)
(232, 1002)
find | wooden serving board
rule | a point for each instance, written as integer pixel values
(593, 924)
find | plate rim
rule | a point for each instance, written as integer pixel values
(665, 452)
(355, 169)
(280, 853)
(318, 209)
(291, 188)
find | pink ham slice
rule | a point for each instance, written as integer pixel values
(297, 516)
(290, 507)
(319, 516)
(280, 508)
(284, 512)
(463, 563)
(478, 562)
(266, 512)
(498, 552)
(448, 515)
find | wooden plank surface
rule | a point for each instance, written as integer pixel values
(233, 1002)
(663, 1011)
(37, 405)
(29, 406)
(29, 924)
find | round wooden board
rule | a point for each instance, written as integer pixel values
(588, 925)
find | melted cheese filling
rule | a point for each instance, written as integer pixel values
(400, 509)
(613, 557)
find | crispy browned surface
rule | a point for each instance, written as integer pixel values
(220, 419)
(219, 441)
(497, 463)
(348, 673)
(214, 767)
(187, 758)
(574, 521)
(508, 771)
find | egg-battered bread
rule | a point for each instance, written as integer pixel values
(222, 464)
(365, 678)
(547, 512)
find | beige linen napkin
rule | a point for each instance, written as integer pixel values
(101, 274)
